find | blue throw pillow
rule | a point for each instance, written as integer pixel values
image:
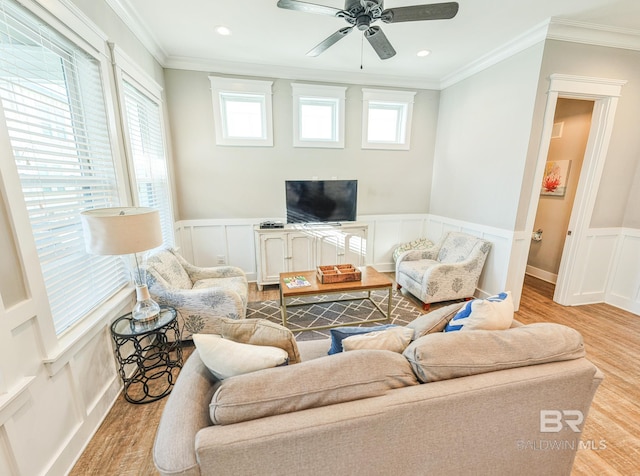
(491, 314)
(340, 333)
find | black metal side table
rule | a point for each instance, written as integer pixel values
(150, 353)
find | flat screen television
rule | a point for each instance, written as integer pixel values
(321, 201)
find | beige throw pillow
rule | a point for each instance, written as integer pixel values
(395, 339)
(225, 358)
(260, 332)
(434, 321)
(446, 355)
(327, 380)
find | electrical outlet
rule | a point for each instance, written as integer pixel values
(221, 259)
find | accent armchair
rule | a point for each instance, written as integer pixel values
(447, 271)
(200, 295)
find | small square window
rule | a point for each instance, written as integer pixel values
(386, 119)
(242, 111)
(243, 116)
(318, 115)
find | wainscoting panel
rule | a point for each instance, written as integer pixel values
(624, 288)
(598, 253)
(203, 241)
(208, 242)
(388, 231)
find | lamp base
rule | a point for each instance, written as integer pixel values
(146, 309)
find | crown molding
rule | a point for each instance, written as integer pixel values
(299, 74)
(139, 28)
(593, 34)
(529, 38)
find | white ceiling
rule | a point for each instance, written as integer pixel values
(269, 41)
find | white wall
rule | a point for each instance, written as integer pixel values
(483, 134)
(54, 391)
(243, 182)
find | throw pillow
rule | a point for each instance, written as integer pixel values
(434, 321)
(442, 356)
(419, 244)
(348, 376)
(492, 314)
(395, 339)
(225, 358)
(340, 333)
(260, 332)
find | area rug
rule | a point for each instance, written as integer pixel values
(320, 313)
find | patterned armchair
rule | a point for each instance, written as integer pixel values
(199, 295)
(444, 272)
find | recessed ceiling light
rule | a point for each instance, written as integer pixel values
(223, 30)
(422, 53)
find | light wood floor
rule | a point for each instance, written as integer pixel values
(122, 445)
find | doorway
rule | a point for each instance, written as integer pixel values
(571, 285)
(570, 135)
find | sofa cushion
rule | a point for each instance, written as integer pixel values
(442, 356)
(315, 383)
(225, 358)
(340, 333)
(434, 321)
(394, 339)
(491, 314)
(260, 332)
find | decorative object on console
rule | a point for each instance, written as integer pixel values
(130, 232)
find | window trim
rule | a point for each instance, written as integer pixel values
(68, 21)
(220, 85)
(383, 96)
(126, 70)
(320, 92)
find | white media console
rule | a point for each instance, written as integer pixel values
(303, 247)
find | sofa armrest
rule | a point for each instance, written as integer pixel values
(197, 273)
(185, 413)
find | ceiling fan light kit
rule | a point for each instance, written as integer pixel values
(361, 14)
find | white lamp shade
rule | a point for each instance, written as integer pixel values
(121, 230)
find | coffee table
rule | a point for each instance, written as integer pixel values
(371, 280)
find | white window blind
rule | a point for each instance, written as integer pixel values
(144, 133)
(51, 93)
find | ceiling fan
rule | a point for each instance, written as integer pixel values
(362, 13)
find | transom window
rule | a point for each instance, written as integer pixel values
(386, 119)
(242, 112)
(318, 115)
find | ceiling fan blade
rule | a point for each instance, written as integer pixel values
(330, 41)
(308, 7)
(434, 11)
(379, 42)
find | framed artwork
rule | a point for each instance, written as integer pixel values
(554, 181)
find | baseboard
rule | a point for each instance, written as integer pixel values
(542, 274)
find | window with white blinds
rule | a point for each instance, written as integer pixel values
(146, 147)
(51, 94)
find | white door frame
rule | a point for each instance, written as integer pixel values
(605, 93)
